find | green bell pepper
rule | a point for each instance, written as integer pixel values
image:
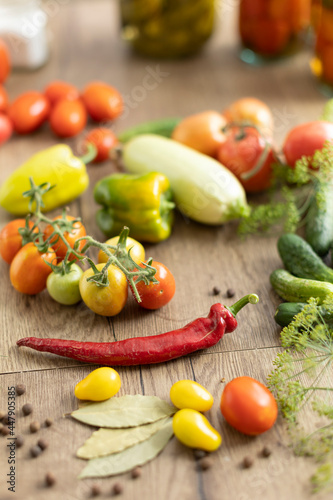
(141, 202)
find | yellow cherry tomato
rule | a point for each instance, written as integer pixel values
(99, 385)
(137, 250)
(190, 394)
(104, 300)
(193, 430)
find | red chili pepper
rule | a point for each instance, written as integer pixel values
(199, 334)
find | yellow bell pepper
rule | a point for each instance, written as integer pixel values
(56, 165)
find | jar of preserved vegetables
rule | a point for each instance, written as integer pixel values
(167, 28)
(272, 28)
(322, 64)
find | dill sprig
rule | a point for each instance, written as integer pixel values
(302, 377)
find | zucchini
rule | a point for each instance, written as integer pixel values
(300, 260)
(286, 312)
(293, 289)
(163, 127)
(204, 190)
(319, 225)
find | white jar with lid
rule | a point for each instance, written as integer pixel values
(23, 29)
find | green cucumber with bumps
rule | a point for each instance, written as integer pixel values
(319, 226)
(286, 312)
(293, 289)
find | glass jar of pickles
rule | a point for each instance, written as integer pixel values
(322, 64)
(167, 28)
(271, 28)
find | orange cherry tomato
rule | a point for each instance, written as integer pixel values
(29, 111)
(104, 140)
(29, 269)
(156, 295)
(103, 102)
(11, 240)
(252, 110)
(58, 90)
(68, 118)
(248, 406)
(202, 131)
(5, 65)
(6, 128)
(58, 245)
(4, 101)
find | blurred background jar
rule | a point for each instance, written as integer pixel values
(322, 64)
(167, 28)
(23, 29)
(272, 28)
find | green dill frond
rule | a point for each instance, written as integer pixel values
(327, 113)
(322, 479)
(323, 409)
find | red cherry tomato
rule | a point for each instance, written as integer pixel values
(29, 271)
(58, 91)
(103, 102)
(11, 240)
(4, 101)
(6, 128)
(305, 139)
(244, 153)
(29, 111)
(248, 406)
(104, 140)
(4, 62)
(59, 246)
(156, 295)
(68, 118)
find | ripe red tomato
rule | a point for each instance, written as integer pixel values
(103, 102)
(59, 246)
(29, 111)
(248, 406)
(251, 110)
(244, 154)
(68, 118)
(6, 128)
(5, 65)
(29, 271)
(156, 295)
(305, 139)
(4, 101)
(11, 240)
(104, 140)
(58, 91)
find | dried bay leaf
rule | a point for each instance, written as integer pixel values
(107, 441)
(134, 456)
(124, 411)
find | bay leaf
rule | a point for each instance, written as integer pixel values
(107, 441)
(132, 457)
(124, 411)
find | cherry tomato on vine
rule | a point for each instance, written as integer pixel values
(6, 128)
(58, 245)
(4, 101)
(64, 288)
(29, 271)
(249, 157)
(103, 102)
(11, 240)
(29, 111)
(5, 65)
(105, 300)
(202, 131)
(248, 406)
(156, 295)
(137, 250)
(59, 90)
(104, 140)
(305, 139)
(251, 110)
(68, 118)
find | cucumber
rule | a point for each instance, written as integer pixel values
(286, 312)
(204, 190)
(163, 127)
(300, 260)
(319, 225)
(294, 289)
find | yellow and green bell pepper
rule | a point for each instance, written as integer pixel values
(141, 202)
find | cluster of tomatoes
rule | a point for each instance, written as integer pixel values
(241, 138)
(70, 287)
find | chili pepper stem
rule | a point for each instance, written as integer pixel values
(252, 298)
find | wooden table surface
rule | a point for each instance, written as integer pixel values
(85, 45)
